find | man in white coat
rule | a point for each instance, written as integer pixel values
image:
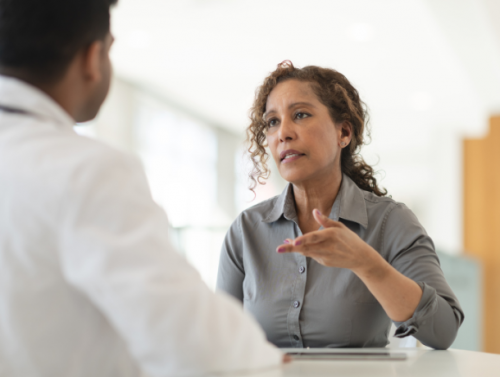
(89, 283)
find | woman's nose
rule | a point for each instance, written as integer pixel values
(286, 130)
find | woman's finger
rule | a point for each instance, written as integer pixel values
(285, 248)
(310, 238)
(325, 221)
(307, 252)
(303, 249)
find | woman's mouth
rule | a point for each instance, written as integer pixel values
(290, 155)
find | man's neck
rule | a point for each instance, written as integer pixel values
(23, 75)
(54, 89)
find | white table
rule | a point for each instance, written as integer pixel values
(419, 363)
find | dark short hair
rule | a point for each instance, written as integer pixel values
(41, 37)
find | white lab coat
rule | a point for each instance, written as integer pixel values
(89, 283)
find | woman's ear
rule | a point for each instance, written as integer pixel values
(345, 134)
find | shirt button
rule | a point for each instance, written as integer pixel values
(296, 304)
(302, 269)
(296, 337)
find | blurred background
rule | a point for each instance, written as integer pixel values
(429, 70)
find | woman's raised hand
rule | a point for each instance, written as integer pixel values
(334, 246)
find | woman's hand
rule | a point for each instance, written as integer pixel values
(334, 246)
(338, 246)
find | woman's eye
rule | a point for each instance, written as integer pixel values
(301, 115)
(272, 122)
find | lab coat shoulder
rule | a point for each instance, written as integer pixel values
(109, 212)
(94, 167)
(117, 252)
(108, 189)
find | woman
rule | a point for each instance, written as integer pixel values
(332, 260)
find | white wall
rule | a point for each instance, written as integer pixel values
(427, 70)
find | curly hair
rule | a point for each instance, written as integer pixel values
(344, 105)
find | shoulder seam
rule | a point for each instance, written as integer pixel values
(261, 203)
(380, 199)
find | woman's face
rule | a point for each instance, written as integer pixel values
(303, 139)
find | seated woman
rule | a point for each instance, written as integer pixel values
(332, 260)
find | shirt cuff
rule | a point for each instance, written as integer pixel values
(426, 309)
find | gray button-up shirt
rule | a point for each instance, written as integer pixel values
(301, 303)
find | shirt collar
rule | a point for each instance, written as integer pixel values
(20, 95)
(281, 205)
(352, 202)
(350, 197)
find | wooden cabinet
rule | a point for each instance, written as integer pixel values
(481, 162)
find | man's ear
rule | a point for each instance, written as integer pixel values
(92, 57)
